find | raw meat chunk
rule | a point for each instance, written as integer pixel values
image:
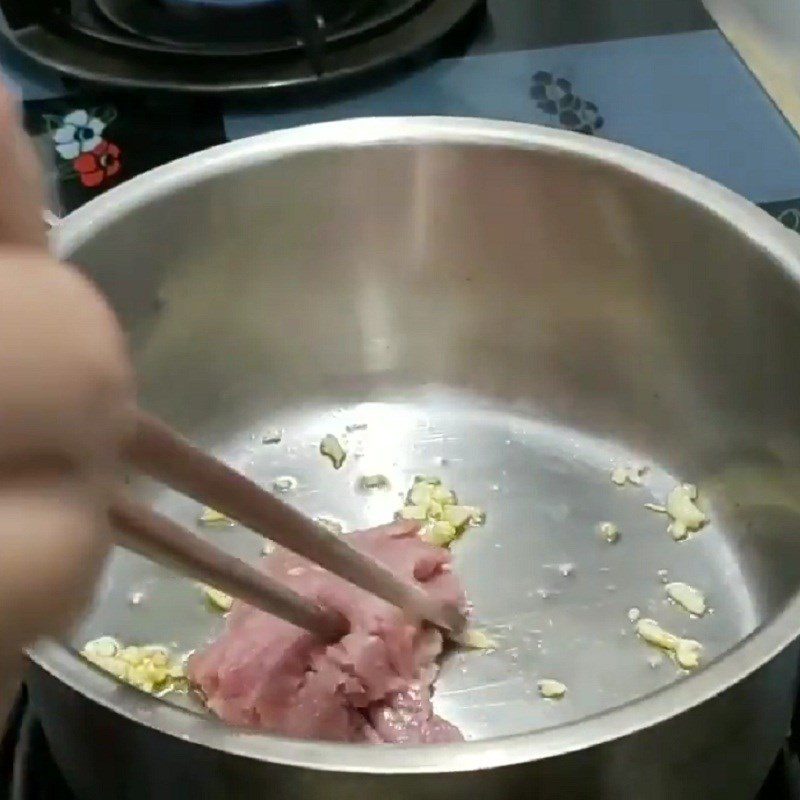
(373, 685)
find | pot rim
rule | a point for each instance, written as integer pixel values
(763, 232)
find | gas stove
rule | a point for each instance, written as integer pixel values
(277, 46)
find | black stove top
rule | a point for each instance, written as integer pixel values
(280, 46)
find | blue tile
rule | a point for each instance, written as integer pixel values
(686, 97)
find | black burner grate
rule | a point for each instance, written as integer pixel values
(184, 45)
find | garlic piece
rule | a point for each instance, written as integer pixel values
(440, 533)
(435, 504)
(217, 598)
(418, 513)
(619, 476)
(686, 516)
(150, 668)
(633, 475)
(686, 652)
(210, 518)
(476, 639)
(551, 689)
(610, 532)
(653, 633)
(331, 448)
(370, 482)
(284, 484)
(330, 524)
(689, 598)
(104, 647)
(272, 436)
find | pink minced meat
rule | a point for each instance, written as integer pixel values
(374, 685)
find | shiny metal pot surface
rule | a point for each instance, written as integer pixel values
(516, 310)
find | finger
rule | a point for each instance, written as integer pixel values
(73, 386)
(22, 198)
(52, 544)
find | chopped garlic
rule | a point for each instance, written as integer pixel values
(551, 689)
(619, 476)
(435, 510)
(691, 599)
(460, 516)
(659, 509)
(217, 598)
(272, 436)
(685, 651)
(477, 516)
(440, 533)
(421, 494)
(331, 524)
(414, 512)
(431, 502)
(686, 516)
(104, 647)
(332, 448)
(150, 668)
(634, 615)
(609, 531)
(369, 482)
(633, 475)
(214, 519)
(443, 496)
(476, 639)
(427, 479)
(284, 484)
(653, 633)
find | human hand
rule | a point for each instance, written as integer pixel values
(66, 397)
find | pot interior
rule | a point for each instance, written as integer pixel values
(515, 321)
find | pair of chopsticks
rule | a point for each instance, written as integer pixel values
(164, 455)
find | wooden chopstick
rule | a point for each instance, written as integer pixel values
(160, 539)
(169, 458)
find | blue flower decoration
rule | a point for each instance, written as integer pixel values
(555, 97)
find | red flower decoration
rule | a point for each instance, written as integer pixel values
(96, 167)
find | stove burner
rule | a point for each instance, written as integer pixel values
(233, 45)
(196, 24)
(247, 26)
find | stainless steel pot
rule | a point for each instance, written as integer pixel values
(517, 310)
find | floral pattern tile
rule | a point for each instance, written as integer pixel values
(557, 98)
(81, 150)
(80, 131)
(93, 141)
